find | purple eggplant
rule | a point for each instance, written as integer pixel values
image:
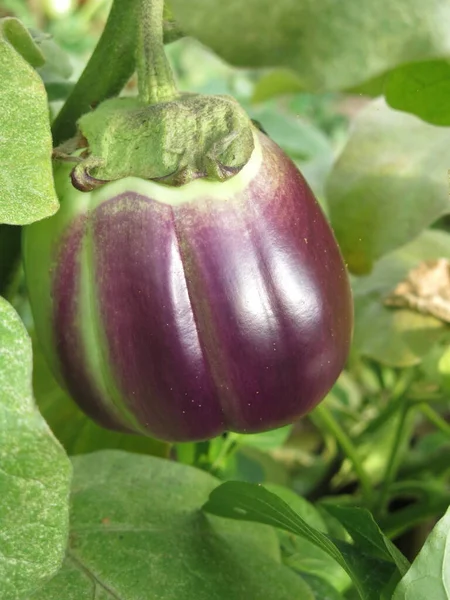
(183, 312)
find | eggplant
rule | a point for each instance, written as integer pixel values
(184, 312)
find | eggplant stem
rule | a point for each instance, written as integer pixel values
(156, 82)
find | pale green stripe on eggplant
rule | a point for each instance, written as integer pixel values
(93, 337)
(40, 242)
(176, 196)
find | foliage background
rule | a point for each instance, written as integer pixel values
(380, 440)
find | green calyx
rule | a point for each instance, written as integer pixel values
(161, 135)
(173, 142)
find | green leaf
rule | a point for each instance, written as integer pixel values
(26, 178)
(330, 45)
(276, 83)
(431, 498)
(388, 185)
(422, 89)
(76, 432)
(301, 554)
(268, 440)
(249, 502)
(374, 445)
(57, 68)
(58, 90)
(14, 33)
(34, 473)
(251, 464)
(397, 337)
(137, 532)
(57, 61)
(443, 368)
(429, 575)
(367, 535)
(9, 255)
(321, 588)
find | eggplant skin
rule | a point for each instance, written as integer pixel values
(181, 313)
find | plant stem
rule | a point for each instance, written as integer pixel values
(435, 419)
(330, 424)
(394, 459)
(155, 78)
(109, 68)
(229, 443)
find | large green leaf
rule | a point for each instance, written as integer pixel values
(388, 185)
(429, 576)
(422, 89)
(331, 45)
(26, 178)
(249, 502)
(397, 337)
(34, 473)
(137, 532)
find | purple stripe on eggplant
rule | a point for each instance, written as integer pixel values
(272, 297)
(146, 310)
(75, 375)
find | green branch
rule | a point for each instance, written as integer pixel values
(109, 68)
(112, 63)
(327, 422)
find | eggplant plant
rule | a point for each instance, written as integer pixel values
(197, 400)
(191, 243)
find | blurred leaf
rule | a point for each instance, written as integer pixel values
(388, 185)
(397, 337)
(422, 89)
(429, 575)
(424, 500)
(9, 254)
(57, 90)
(251, 464)
(330, 45)
(372, 87)
(321, 588)
(346, 394)
(186, 452)
(34, 473)
(57, 60)
(76, 432)
(137, 532)
(57, 68)
(276, 83)
(19, 38)
(268, 440)
(444, 369)
(248, 502)
(26, 178)
(374, 445)
(295, 135)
